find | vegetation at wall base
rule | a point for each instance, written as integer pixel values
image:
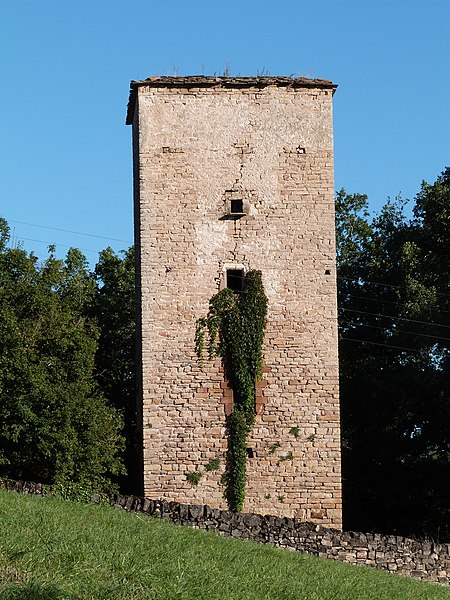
(57, 550)
(235, 325)
(76, 492)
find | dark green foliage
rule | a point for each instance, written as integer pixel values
(241, 338)
(294, 431)
(213, 464)
(55, 425)
(274, 447)
(238, 429)
(193, 477)
(115, 362)
(220, 307)
(235, 325)
(394, 307)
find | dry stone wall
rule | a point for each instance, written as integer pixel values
(421, 559)
(198, 145)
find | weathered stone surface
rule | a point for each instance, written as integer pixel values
(269, 143)
(195, 511)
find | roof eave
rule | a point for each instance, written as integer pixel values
(231, 82)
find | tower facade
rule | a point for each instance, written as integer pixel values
(231, 175)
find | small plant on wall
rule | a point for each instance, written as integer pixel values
(213, 464)
(193, 477)
(235, 327)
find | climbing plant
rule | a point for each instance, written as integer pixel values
(235, 327)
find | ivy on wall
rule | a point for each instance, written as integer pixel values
(235, 327)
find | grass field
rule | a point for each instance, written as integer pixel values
(51, 549)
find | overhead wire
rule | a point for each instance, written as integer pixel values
(399, 331)
(102, 237)
(363, 312)
(380, 344)
(343, 294)
(63, 245)
(370, 299)
(389, 285)
(343, 278)
(438, 337)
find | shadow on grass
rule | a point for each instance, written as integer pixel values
(34, 591)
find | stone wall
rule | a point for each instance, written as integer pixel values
(422, 559)
(199, 143)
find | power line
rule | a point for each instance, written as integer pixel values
(379, 344)
(401, 331)
(343, 294)
(371, 299)
(389, 285)
(362, 312)
(64, 245)
(102, 237)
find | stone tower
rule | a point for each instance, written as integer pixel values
(233, 174)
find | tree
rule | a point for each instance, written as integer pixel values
(394, 361)
(55, 424)
(115, 363)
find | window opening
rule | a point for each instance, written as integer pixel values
(236, 206)
(235, 279)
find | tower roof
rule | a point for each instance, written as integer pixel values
(202, 81)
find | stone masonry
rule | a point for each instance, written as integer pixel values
(233, 174)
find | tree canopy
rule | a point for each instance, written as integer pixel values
(113, 311)
(55, 422)
(394, 323)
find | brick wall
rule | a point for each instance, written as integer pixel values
(197, 146)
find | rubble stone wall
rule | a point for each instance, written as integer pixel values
(198, 148)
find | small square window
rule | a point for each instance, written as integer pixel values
(235, 279)
(236, 207)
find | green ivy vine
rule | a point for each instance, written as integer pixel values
(235, 327)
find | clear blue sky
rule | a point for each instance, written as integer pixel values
(66, 65)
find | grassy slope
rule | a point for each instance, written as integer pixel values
(56, 550)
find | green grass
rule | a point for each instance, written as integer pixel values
(51, 549)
